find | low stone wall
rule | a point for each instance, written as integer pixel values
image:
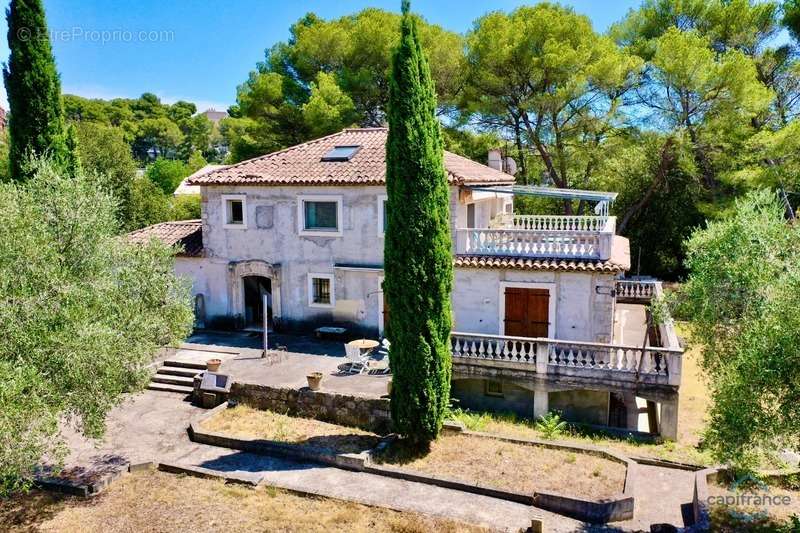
(371, 414)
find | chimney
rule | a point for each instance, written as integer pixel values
(496, 159)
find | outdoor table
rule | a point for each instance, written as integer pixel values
(365, 345)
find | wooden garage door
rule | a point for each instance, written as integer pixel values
(527, 312)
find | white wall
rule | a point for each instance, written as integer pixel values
(580, 313)
(272, 236)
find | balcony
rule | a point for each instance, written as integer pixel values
(570, 359)
(540, 236)
(609, 363)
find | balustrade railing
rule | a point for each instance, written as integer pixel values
(557, 356)
(530, 243)
(493, 348)
(623, 359)
(557, 222)
(636, 289)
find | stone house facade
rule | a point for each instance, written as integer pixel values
(295, 239)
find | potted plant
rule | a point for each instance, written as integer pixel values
(212, 365)
(389, 387)
(314, 380)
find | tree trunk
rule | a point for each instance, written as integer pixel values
(666, 162)
(701, 159)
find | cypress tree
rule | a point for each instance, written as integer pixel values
(417, 254)
(36, 121)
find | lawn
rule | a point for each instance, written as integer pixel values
(158, 502)
(246, 422)
(514, 467)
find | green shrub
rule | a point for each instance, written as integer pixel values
(551, 426)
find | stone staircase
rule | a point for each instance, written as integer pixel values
(176, 376)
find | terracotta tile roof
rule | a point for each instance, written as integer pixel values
(619, 261)
(185, 188)
(187, 233)
(520, 263)
(303, 165)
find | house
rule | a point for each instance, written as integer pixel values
(185, 188)
(215, 116)
(542, 319)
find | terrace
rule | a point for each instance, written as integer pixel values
(655, 361)
(587, 237)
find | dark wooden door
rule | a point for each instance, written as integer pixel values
(527, 312)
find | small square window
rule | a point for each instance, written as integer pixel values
(320, 215)
(234, 211)
(320, 290)
(493, 388)
(235, 215)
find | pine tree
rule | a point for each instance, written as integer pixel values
(36, 122)
(418, 256)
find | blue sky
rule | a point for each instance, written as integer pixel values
(201, 50)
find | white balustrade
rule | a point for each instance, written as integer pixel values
(493, 348)
(628, 359)
(636, 289)
(530, 243)
(623, 362)
(560, 223)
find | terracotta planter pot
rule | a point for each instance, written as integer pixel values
(212, 365)
(314, 380)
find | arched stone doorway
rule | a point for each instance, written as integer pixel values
(248, 282)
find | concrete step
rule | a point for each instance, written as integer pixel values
(164, 387)
(173, 380)
(177, 371)
(185, 364)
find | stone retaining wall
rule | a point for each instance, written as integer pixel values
(371, 414)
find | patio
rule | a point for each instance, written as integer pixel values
(241, 352)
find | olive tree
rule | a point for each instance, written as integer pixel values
(82, 313)
(741, 295)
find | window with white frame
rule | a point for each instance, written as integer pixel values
(320, 215)
(320, 290)
(234, 211)
(382, 201)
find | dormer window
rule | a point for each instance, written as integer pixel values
(341, 153)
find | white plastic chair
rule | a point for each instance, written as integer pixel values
(353, 355)
(383, 351)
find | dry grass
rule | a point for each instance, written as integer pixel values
(514, 467)
(694, 400)
(158, 502)
(744, 517)
(244, 421)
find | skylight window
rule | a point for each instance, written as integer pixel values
(341, 153)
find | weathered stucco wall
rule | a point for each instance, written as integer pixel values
(580, 312)
(272, 235)
(584, 406)
(471, 394)
(581, 406)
